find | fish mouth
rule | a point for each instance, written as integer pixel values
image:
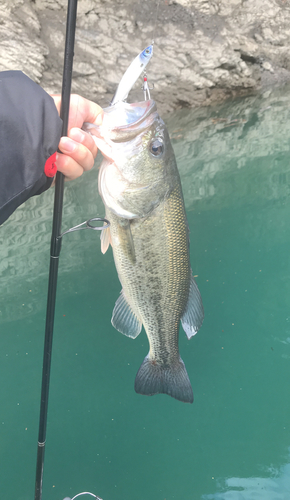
(124, 116)
(123, 122)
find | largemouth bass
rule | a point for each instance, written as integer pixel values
(141, 190)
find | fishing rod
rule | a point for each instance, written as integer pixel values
(55, 247)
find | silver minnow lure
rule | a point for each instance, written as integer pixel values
(132, 74)
(140, 186)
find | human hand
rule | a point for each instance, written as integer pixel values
(78, 149)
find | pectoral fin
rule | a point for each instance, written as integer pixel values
(105, 239)
(124, 319)
(193, 315)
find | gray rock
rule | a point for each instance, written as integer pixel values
(205, 50)
(20, 44)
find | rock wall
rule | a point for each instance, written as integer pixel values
(205, 50)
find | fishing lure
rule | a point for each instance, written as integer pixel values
(132, 74)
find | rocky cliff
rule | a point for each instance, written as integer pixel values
(205, 50)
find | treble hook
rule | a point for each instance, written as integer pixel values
(146, 89)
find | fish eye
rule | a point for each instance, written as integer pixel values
(147, 51)
(156, 147)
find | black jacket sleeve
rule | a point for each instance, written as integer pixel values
(30, 130)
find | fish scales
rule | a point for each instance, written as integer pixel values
(160, 275)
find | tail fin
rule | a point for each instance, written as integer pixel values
(153, 378)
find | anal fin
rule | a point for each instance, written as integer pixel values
(193, 315)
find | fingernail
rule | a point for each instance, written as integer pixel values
(77, 135)
(67, 144)
(99, 119)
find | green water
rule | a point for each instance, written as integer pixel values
(233, 443)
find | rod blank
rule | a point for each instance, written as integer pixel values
(55, 249)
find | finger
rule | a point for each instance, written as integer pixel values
(81, 110)
(57, 101)
(84, 138)
(78, 152)
(68, 167)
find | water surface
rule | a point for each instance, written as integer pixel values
(233, 443)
